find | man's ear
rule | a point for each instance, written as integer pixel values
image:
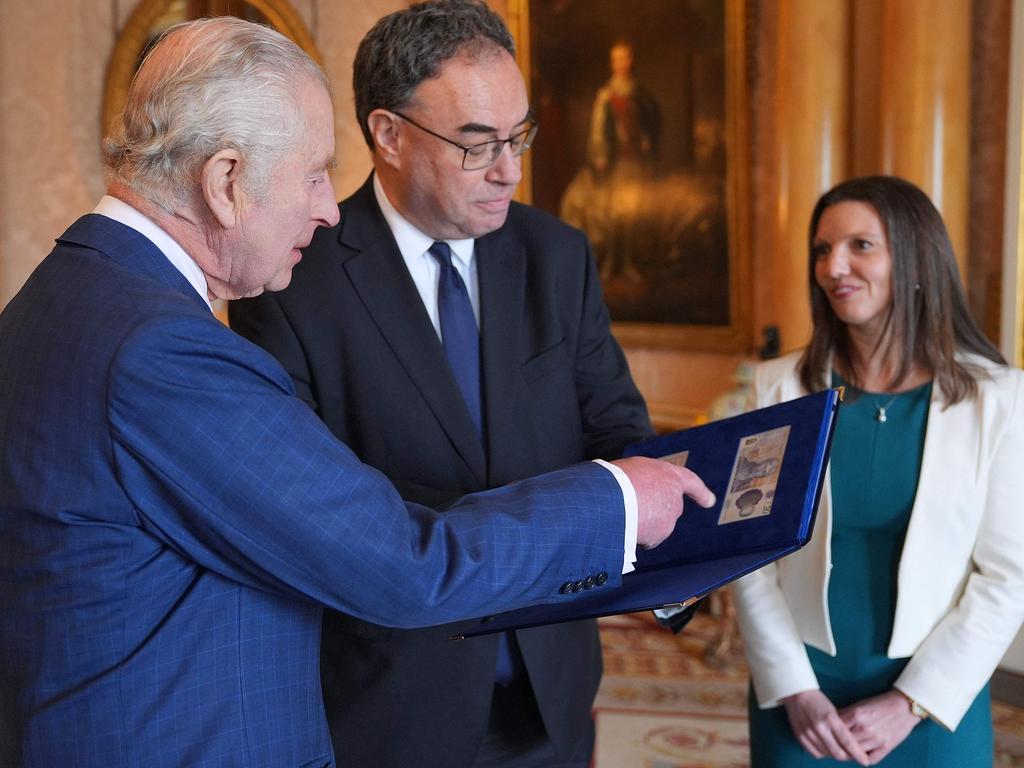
(384, 129)
(220, 180)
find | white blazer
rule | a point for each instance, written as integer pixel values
(960, 584)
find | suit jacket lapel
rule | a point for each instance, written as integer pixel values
(380, 278)
(501, 270)
(129, 249)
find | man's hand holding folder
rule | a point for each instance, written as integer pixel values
(660, 488)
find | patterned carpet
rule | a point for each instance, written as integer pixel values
(663, 705)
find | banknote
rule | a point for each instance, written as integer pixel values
(755, 474)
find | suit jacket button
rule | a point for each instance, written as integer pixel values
(602, 579)
(588, 583)
(577, 586)
(566, 588)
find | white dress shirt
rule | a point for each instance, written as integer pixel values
(423, 268)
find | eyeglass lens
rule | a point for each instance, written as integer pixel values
(482, 155)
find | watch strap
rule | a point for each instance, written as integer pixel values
(915, 709)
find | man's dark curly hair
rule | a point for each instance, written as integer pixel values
(407, 47)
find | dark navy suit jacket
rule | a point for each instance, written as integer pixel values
(173, 518)
(353, 333)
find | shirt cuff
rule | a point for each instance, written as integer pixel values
(632, 514)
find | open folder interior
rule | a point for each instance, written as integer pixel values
(766, 468)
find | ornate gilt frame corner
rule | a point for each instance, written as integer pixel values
(135, 34)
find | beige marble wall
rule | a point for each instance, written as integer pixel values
(53, 54)
(53, 59)
(340, 27)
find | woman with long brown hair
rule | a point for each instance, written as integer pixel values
(875, 643)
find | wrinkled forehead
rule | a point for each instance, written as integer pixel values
(315, 108)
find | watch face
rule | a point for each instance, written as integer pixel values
(915, 709)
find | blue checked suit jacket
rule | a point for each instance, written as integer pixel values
(174, 518)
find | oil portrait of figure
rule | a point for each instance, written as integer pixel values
(637, 159)
(608, 196)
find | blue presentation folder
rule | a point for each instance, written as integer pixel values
(764, 510)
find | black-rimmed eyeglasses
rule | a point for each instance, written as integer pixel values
(484, 154)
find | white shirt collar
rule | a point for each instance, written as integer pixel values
(412, 243)
(121, 212)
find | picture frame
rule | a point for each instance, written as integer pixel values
(644, 145)
(151, 18)
(1011, 315)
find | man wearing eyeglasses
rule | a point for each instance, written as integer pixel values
(456, 341)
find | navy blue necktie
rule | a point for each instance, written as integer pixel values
(459, 333)
(461, 339)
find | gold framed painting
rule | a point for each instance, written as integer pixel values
(643, 145)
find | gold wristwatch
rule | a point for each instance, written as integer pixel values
(915, 709)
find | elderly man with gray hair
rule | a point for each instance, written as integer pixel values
(174, 518)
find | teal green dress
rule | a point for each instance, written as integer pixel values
(874, 470)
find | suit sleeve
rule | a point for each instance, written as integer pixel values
(779, 665)
(960, 654)
(611, 408)
(232, 471)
